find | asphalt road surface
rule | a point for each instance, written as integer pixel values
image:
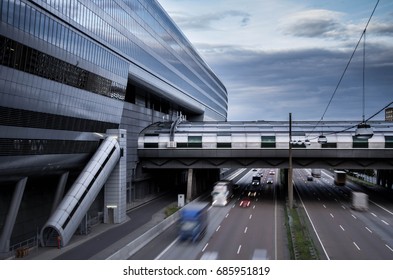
(234, 232)
(341, 232)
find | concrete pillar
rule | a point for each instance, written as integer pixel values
(290, 169)
(59, 191)
(190, 185)
(115, 200)
(12, 214)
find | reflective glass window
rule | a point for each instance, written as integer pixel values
(388, 142)
(22, 16)
(359, 142)
(16, 13)
(41, 26)
(27, 18)
(11, 12)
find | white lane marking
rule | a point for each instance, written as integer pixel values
(381, 207)
(250, 217)
(226, 216)
(253, 207)
(343, 207)
(218, 228)
(356, 246)
(331, 215)
(312, 224)
(389, 247)
(166, 249)
(386, 223)
(204, 248)
(245, 230)
(373, 214)
(354, 216)
(324, 206)
(369, 230)
(342, 227)
(238, 250)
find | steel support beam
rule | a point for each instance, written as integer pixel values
(12, 214)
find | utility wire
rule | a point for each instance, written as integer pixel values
(346, 67)
(348, 128)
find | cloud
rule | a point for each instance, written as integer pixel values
(287, 56)
(314, 23)
(212, 20)
(270, 84)
(381, 28)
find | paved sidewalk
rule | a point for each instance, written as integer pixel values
(50, 253)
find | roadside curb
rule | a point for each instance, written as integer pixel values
(135, 245)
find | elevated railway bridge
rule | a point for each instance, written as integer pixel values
(236, 144)
(267, 144)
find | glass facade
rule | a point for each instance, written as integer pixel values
(115, 34)
(26, 59)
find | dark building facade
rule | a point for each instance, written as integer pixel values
(70, 70)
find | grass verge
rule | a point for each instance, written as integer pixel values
(300, 242)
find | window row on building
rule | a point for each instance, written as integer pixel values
(26, 118)
(30, 20)
(23, 147)
(26, 59)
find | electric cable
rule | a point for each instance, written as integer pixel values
(346, 68)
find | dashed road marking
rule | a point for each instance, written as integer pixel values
(390, 248)
(342, 227)
(204, 248)
(238, 249)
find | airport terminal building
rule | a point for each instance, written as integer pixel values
(74, 76)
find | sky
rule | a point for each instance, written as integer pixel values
(288, 56)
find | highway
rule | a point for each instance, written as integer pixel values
(258, 231)
(234, 232)
(341, 232)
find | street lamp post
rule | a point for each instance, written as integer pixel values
(290, 185)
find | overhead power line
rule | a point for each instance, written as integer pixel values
(346, 67)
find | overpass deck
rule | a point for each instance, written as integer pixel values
(265, 144)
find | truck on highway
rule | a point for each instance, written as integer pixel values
(316, 173)
(340, 177)
(193, 221)
(255, 188)
(256, 181)
(222, 192)
(359, 201)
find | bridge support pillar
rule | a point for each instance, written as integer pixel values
(12, 214)
(115, 192)
(191, 185)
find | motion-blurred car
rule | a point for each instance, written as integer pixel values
(272, 172)
(269, 181)
(310, 178)
(245, 202)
